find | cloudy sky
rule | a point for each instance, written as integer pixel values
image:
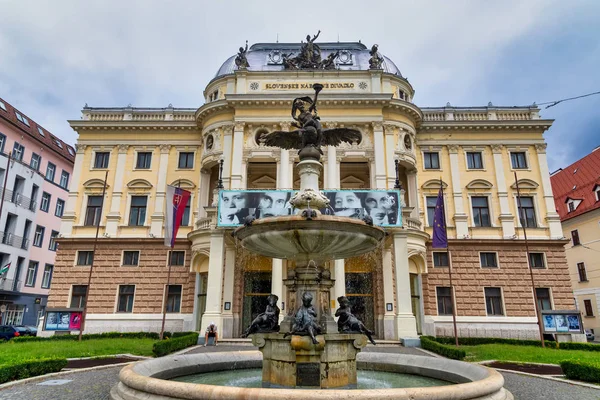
(55, 56)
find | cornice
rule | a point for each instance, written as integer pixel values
(78, 125)
(542, 124)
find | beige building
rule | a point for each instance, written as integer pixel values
(400, 291)
(577, 197)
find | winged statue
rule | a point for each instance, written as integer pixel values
(310, 131)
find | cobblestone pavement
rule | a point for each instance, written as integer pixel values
(95, 385)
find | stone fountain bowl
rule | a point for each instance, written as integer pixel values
(323, 238)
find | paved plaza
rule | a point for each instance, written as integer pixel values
(95, 385)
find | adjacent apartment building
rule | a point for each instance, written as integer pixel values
(577, 197)
(37, 180)
(401, 290)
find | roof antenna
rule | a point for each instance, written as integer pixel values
(338, 37)
(277, 37)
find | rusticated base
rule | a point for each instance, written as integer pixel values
(296, 362)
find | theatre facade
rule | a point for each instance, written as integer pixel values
(400, 291)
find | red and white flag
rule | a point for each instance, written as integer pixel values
(177, 200)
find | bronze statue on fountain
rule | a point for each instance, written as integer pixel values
(305, 323)
(266, 322)
(348, 323)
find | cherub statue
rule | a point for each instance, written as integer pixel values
(376, 60)
(305, 321)
(267, 321)
(240, 60)
(347, 322)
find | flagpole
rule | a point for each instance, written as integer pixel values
(84, 313)
(535, 298)
(452, 293)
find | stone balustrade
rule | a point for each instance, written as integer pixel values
(489, 113)
(412, 223)
(138, 115)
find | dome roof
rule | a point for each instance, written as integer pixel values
(354, 56)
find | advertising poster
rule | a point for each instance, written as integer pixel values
(574, 324)
(75, 321)
(51, 321)
(549, 323)
(383, 206)
(63, 321)
(561, 323)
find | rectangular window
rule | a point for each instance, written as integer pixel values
(2, 105)
(47, 279)
(575, 237)
(589, 311)
(18, 151)
(543, 298)
(518, 160)
(444, 300)
(60, 207)
(571, 206)
(144, 160)
(126, 294)
(131, 258)
(474, 160)
(93, 210)
(440, 259)
(137, 212)
(582, 272)
(31, 273)
(101, 160)
(50, 171)
(488, 259)
(493, 301)
(186, 160)
(432, 160)
(85, 257)
(22, 118)
(177, 257)
(2, 142)
(174, 299)
(481, 211)
(41, 132)
(536, 260)
(185, 218)
(78, 296)
(64, 179)
(36, 160)
(527, 212)
(431, 203)
(45, 203)
(38, 237)
(53, 245)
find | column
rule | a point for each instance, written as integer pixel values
(406, 326)
(277, 283)
(339, 287)
(69, 216)
(339, 268)
(236, 156)
(551, 215)
(390, 145)
(506, 218)
(195, 317)
(114, 214)
(214, 294)
(389, 327)
(228, 283)
(460, 218)
(227, 143)
(331, 175)
(283, 165)
(161, 192)
(379, 149)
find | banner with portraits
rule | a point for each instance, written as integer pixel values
(62, 320)
(383, 206)
(562, 322)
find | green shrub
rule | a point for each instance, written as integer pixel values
(582, 371)
(105, 335)
(579, 346)
(168, 346)
(29, 368)
(428, 343)
(475, 341)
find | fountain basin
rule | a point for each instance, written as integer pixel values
(321, 239)
(147, 379)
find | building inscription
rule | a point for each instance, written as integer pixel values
(308, 86)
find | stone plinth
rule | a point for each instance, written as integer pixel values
(296, 362)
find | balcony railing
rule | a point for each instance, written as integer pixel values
(19, 199)
(490, 113)
(10, 239)
(11, 285)
(412, 223)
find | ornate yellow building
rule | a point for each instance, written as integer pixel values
(400, 291)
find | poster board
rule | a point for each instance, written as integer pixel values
(562, 321)
(63, 319)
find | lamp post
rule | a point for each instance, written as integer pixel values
(220, 182)
(397, 184)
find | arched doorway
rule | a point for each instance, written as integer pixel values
(200, 267)
(416, 265)
(361, 287)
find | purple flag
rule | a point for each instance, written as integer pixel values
(440, 238)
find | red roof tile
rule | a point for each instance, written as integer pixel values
(577, 181)
(47, 140)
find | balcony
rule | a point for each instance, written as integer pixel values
(19, 200)
(489, 113)
(11, 285)
(10, 239)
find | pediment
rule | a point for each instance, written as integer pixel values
(139, 184)
(94, 184)
(434, 184)
(525, 184)
(479, 184)
(264, 182)
(352, 182)
(184, 184)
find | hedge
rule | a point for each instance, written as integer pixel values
(582, 371)
(580, 346)
(168, 346)
(27, 369)
(429, 343)
(474, 341)
(105, 335)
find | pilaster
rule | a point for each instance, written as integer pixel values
(214, 294)
(204, 192)
(379, 151)
(114, 215)
(406, 326)
(236, 156)
(460, 218)
(157, 218)
(228, 284)
(69, 216)
(552, 216)
(332, 177)
(227, 156)
(277, 282)
(283, 165)
(390, 145)
(389, 331)
(413, 195)
(506, 218)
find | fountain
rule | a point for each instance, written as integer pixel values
(308, 350)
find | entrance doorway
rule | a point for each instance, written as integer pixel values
(257, 287)
(201, 298)
(359, 290)
(415, 297)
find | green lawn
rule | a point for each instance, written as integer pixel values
(11, 351)
(505, 352)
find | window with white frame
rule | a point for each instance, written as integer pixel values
(144, 160)
(78, 296)
(527, 212)
(444, 300)
(440, 259)
(18, 151)
(137, 210)
(53, 244)
(93, 211)
(45, 203)
(481, 211)
(589, 310)
(47, 278)
(31, 273)
(36, 161)
(85, 257)
(41, 131)
(101, 159)
(186, 160)
(185, 218)
(50, 171)
(518, 159)
(64, 179)
(431, 203)
(174, 298)
(2, 142)
(22, 118)
(581, 271)
(571, 206)
(597, 192)
(488, 259)
(493, 301)
(38, 237)
(575, 237)
(536, 260)
(125, 300)
(431, 160)
(474, 160)
(543, 298)
(131, 258)
(177, 257)
(2, 105)
(60, 208)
